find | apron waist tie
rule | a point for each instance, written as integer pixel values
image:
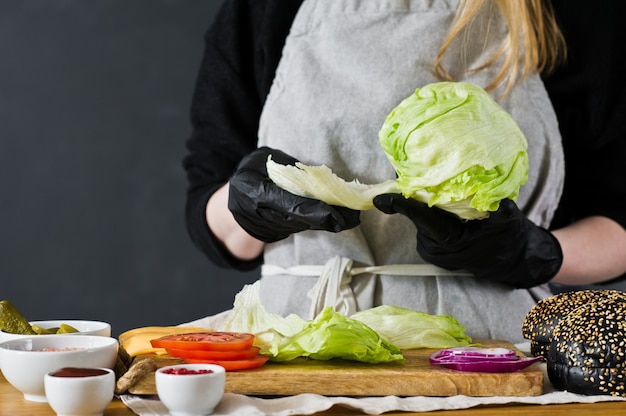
(333, 284)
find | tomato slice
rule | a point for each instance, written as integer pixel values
(214, 341)
(214, 355)
(232, 365)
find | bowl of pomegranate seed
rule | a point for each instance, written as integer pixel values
(190, 389)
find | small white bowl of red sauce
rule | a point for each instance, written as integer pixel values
(190, 389)
(79, 391)
(26, 361)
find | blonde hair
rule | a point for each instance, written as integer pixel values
(534, 41)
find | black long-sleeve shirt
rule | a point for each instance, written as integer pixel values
(244, 45)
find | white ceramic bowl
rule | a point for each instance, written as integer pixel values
(191, 394)
(26, 361)
(84, 328)
(80, 391)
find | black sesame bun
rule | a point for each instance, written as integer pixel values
(587, 354)
(540, 323)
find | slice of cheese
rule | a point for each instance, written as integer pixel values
(137, 341)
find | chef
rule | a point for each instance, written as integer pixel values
(312, 81)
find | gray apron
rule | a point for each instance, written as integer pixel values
(346, 64)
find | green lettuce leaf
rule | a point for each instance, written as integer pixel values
(409, 329)
(321, 183)
(329, 335)
(332, 335)
(249, 315)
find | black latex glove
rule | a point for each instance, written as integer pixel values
(506, 247)
(270, 213)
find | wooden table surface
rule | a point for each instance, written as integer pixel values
(12, 403)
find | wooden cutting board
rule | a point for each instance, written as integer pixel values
(415, 377)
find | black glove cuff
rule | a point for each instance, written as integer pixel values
(540, 261)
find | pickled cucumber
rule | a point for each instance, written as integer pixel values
(12, 321)
(44, 331)
(66, 329)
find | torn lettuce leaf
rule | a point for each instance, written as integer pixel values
(329, 335)
(249, 315)
(332, 335)
(319, 182)
(409, 329)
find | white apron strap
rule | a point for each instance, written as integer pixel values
(333, 284)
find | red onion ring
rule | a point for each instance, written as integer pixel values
(486, 360)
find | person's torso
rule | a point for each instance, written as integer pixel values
(346, 64)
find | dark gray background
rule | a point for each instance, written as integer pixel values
(94, 104)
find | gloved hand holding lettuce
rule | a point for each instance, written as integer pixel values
(372, 336)
(270, 213)
(506, 247)
(454, 149)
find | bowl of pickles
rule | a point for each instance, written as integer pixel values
(13, 325)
